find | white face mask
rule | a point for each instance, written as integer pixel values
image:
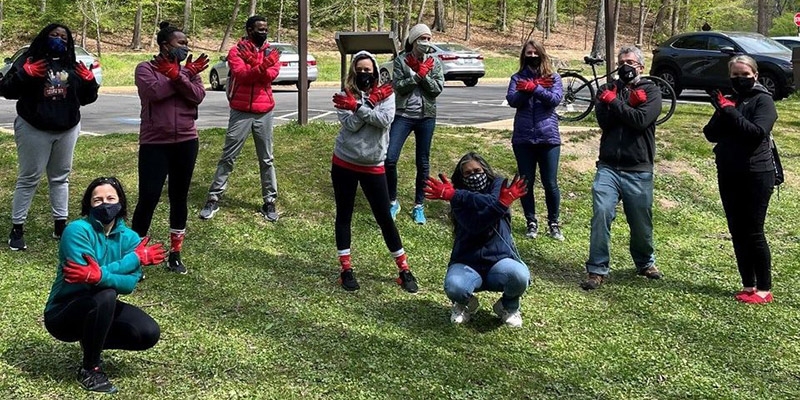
(424, 46)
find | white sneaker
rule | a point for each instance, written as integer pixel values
(512, 319)
(462, 313)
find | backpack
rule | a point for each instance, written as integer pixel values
(776, 162)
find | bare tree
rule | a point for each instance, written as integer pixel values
(355, 15)
(229, 28)
(421, 11)
(502, 16)
(541, 14)
(252, 10)
(395, 21)
(468, 28)
(676, 13)
(187, 15)
(96, 20)
(439, 24)
(381, 15)
(763, 17)
(406, 18)
(642, 16)
(157, 19)
(2, 19)
(136, 42)
(552, 11)
(280, 22)
(599, 43)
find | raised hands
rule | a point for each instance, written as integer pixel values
(380, 93)
(607, 94)
(35, 69)
(150, 255)
(719, 101)
(197, 66)
(247, 52)
(271, 58)
(345, 101)
(513, 190)
(425, 67)
(84, 73)
(167, 66)
(436, 190)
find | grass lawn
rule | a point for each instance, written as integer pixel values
(260, 314)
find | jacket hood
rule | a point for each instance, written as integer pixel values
(757, 88)
(362, 55)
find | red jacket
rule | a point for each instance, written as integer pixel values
(169, 108)
(249, 87)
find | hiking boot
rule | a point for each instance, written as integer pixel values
(419, 215)
(460, 313)
(394, 209)
(348, 280)
(650, 272)
(407, 281)
(16, 239)
(269, 212)
(593, 281)
(208, 211)
(510, 318)
(533, 230)
(95, 380)
(554, 231)
(175, 264)
(58, 228)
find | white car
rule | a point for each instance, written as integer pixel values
(289, 74)
(789, 41)
(88, 59)
(459, 63)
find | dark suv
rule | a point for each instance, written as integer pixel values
(699, 60)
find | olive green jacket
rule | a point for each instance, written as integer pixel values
(406, 80)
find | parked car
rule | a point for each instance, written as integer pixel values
(88, 59)
(459, 63)
(699, 60)
(289, 74)
(789, 41)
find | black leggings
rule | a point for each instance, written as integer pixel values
(745, 197)
(156, 161)
(345, 185)
(100, 321)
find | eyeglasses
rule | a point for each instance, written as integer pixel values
(632, 63)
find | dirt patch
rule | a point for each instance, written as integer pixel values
(579, 150)
(677, 168)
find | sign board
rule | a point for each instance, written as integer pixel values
(797, 19)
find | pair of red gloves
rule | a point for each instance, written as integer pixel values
(346, 100)
(444, 190)
(609, 92)
(529, 85)
(171, 67)
(420, 68)
(38, 68)
(248, 52)
(91, 272)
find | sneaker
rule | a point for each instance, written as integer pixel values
(740, 295)
(754, 298)
(460, 313)
(16, 239)
(58, 228)
(533, 230)
(269, 212)
(175, 264)
(554, 231)
(592, 282)
(407, 281)
(208, 211)
(348, 280)
(95, 380)
(650, 272)
(512, 319)
(419, 215)
(394, 209)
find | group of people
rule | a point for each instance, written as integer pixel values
(100, 257)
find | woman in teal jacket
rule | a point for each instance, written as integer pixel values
(99, 257)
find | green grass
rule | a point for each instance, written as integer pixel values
(260, 315)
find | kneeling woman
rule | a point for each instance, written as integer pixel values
(99, 258)
(483, 256)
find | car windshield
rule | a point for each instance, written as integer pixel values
(453, 47)
(285, 48)
(79, 51)
(755, 44)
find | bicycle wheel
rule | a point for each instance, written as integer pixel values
(668, 98)
(578, 98)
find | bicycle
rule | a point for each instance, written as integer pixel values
(579, 95)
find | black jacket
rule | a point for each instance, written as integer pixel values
(742, 133)
(628, 142)
(51, 103)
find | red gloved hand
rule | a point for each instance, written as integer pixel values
(380, 93)
(247, 53)
(435, 190)
(197, 66)
(77, 273)
(544, 81)
(724, 101)
(526, 85)
(150, 255)
(512, 191)
(169, 68)
(425, 67)
(83, 72)
(271, 58)
(412, 62)
(638, 97)
(35, 69)
(607, 95)
(345, 101)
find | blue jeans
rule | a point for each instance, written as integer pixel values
(635, 189)
(546, 156)
(507, 275)
(423, 134)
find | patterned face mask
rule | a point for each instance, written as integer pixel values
(477, 182)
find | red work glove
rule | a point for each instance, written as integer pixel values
(724, 101)
(380, 93)
(271, 58)
(77, 273)
(247, 53)
(345, 101)
(412, 62)
(35, 69)
(169, 68)
(637, 98)
(150, 255)
(425, 67)
(83, 72)
(197, 66)
(436, 190)
(607, 95)
(526, 85)
(545, 81)
(512, 191)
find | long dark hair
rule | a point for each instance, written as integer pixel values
(40, 48)
(457, 179)
(86, 202)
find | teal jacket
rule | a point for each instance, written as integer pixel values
(119, 265)
(404, 81)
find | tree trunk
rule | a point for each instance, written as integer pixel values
(661, 16)
(469, 21)
(421, 11)
(395, 20)
(229, 28)
(157, 19)
(43, 6)
(355, 15)
(252, 10)
(763, 17)
(547, 25)
(96, 21)
(438, 17)
(541, 14)
(453, 15)
(136, 42)
(187, 15)
(381, 16)
(2, 19)
(553, 13)
(640, 31)
(599, 42)
(676, 13)
(280, 22)
(617, 6)
(407, 17)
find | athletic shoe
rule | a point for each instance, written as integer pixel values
(512, 319)
(740, 295)
(754, 298)
(269, 212)
(419, 215)
(175, 264)
(16, 239)
(407, 281)
(533, 230)
(554, 231)
(650, 272)
(58, 228)
(348, 280)
(593, 281)
(208, 211)
(95, 380)
(460, 313)
(394, 209)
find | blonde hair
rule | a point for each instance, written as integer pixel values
(350, 81)
(546, 67)
(743, 59)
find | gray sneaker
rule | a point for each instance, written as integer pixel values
(269, 212)
(208, 211)
(554, 231)
(533, 230)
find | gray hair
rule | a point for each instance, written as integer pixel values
(746, 60)
(632, 49)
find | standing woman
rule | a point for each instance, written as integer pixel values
(417, 80)
(168, 140)
(534, 92)
(741, 127)
(365, 111)
(50, 87)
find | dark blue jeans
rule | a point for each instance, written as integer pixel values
(546, 156)
(423, 134)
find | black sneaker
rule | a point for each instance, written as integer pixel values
(95, 380)
(208, 211)
(58, 228)
(269, 212)
(533, 230)
(175, 264)
(348, 280)
(16, 239)
(407, 281)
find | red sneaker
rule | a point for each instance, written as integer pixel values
(756, 299)
(742, 294)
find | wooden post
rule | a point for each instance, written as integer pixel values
(302, 44)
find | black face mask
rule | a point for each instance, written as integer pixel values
(258, 38)
(364, 80)
(533, 62)
(743, 84)
(106, 212)
(179, 53)
(627, 73)
(477, 182)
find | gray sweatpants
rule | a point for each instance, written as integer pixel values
(240, 125)
(39, 151)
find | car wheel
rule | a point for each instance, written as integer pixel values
(385, 76)
(471, 82)
(670, 76)
(769, 81)
(213, 78)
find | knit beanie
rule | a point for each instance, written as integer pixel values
(416, 31)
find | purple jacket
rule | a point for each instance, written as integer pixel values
(536, 121)
(169, 108)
